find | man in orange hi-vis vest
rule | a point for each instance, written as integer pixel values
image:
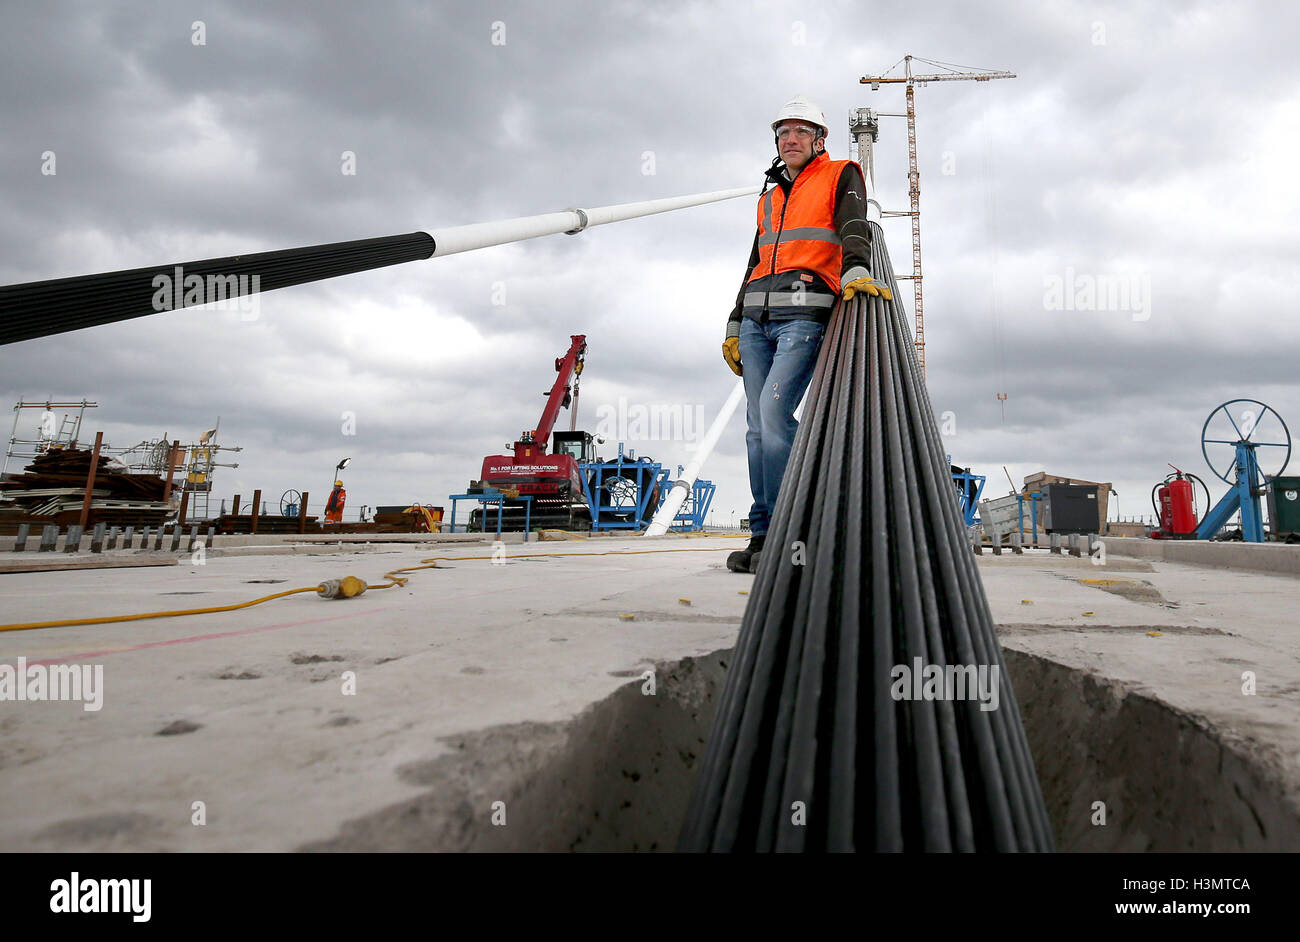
(812, 246)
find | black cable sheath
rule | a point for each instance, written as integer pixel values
(43, 308)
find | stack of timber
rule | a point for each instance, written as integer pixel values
(52, 490)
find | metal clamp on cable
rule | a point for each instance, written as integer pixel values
(582, 225)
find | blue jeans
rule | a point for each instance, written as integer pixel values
(777, 359)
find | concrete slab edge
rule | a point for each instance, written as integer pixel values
(1279, 558)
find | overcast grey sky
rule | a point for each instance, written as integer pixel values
(1149, 144)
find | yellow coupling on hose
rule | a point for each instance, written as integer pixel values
(346, 588)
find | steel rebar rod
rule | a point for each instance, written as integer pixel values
(867, 706)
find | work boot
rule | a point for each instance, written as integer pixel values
(740, 561)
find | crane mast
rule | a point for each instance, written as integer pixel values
(914, 175)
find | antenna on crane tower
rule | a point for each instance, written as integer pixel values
(954, 73)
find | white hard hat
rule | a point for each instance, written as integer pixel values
(799, 108)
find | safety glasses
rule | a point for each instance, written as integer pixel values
(800, 131)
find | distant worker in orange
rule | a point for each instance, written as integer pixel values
(334, 506)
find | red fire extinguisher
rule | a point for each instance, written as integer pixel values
(1174, 502)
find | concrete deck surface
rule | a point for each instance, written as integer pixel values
(525, 684)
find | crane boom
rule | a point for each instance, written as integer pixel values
(566, 366)
(979, 77)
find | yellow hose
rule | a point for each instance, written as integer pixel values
(189, 611)
(347, 587)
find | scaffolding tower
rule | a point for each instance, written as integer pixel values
(197, 460)
(52, 433)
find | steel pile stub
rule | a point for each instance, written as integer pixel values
(868, 705)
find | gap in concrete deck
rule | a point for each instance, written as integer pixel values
(618, 777)
(1170, 781)
(615, 778)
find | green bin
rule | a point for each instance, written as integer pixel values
(1284, 506)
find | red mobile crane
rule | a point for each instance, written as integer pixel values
(553, 480)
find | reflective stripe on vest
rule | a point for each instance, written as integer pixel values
(805, 233)
(806, 299)
(807, 237)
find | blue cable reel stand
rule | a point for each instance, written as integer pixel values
(969, 488)
(1253, 425)
(624, 492)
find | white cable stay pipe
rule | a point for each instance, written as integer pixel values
(41, 308)
(481, 235)
(682, 486)
(874, 212)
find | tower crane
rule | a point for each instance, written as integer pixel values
(954, 73)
